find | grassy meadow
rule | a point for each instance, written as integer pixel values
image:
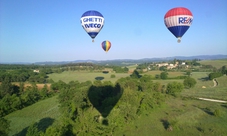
(187, 117)
(205, 88)
(216, 63)
(83, 76)
(44, 112)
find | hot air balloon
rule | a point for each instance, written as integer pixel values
(178, 20)
(106, 45)
(92, 21)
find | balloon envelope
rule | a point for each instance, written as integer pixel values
(106, 45)
(92, 21)
(178, 20)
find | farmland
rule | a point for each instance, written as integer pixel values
(186, 114)
(82, 76)
(190, 116)
(216, 63)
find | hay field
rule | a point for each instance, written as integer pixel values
(215, 63)
(68, 76)
(170, 74)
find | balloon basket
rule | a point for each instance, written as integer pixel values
(179, 40)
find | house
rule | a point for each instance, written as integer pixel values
(36, 70)
(162, 64)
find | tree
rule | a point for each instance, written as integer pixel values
(4, 127)
(33, 130)
(6, 87)
(223, 70)
(174, 88)
(215, 75)
(164, 75)
(188, 72)
(189, 82)
(135, 74)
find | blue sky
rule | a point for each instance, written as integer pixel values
(50, 30)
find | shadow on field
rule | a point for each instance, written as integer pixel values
(105, 72)
(104, 98)
(206, 110)
(204, 78)
(42, 125)
(99, 78)
(165, 123)
(224, 105)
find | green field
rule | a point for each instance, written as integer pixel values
(68, 76)
(45, 112)
(215, 63)
(205, 88)
(170, 74)
(188, 116)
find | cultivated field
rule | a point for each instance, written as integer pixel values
(39, 86)
(215, 63)
(80, 76)
(170, 74)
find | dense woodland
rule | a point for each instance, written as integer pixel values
(83, 102)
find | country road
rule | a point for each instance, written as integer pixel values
(212, 100)
(215, 82)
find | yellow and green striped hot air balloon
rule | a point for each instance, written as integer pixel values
(106, 45)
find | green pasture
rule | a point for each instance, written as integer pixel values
(165, 82)
(80, 76)
(205, 88)
(44, 112)
(170, 74)
(186, 116)
(132, 67)
(215, 63)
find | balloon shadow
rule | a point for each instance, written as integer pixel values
(104, 98)
(99, 78)
(105, 72)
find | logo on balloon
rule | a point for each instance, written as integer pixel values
(185, 20)
(92, 22)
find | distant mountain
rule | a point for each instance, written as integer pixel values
(135, 61)
(125, 62)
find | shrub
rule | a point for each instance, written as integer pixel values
(189, 82)
(112, 76)
(217, 113)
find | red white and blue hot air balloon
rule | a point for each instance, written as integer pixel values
(92, 21)
(178, 20)
(106, 46)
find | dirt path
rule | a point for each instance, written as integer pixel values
(213, 100)
(215, 82)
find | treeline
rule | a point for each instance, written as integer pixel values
(26, 75)
(102, 108)
(14, 97)
(219, 73)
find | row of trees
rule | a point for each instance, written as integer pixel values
(25, 75)
(14, 97)
(222, 71)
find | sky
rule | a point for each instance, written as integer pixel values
(50, 30)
